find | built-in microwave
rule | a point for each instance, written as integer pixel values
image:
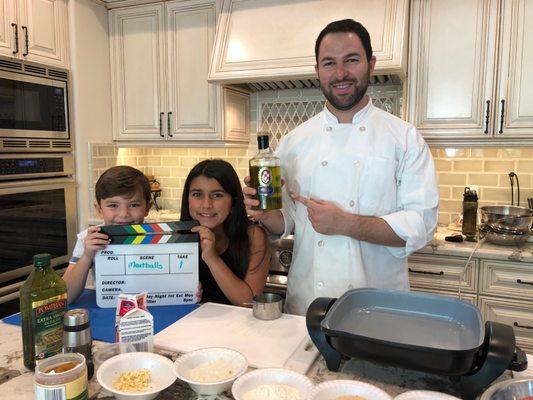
(33, 106)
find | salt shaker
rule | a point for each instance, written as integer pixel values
(77, 336)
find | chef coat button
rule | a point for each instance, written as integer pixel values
(352, 203)
(320, 284)
(356, 163)
(320, 243)
(324, 163)
(362, 128)
(329, 128)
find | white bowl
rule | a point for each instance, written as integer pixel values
(189, 361)
(424, 395)
(330, 390)
(268, 376)
(160, 372)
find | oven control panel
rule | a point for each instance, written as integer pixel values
(18, 166)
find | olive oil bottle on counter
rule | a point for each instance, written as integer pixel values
(265, 174)
(43, 303)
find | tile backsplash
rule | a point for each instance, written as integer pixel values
(487, 168)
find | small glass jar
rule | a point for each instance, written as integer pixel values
(63, 376)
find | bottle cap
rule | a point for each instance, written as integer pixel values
(469, 195)
(42, 260)
(262, 140)
(76, 317)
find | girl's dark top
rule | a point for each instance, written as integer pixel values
(211, 290)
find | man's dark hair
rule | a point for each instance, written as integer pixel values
(346, 25)
(122, 180)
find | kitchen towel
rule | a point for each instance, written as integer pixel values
(102, 320)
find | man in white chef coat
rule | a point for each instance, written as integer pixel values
(360, 192)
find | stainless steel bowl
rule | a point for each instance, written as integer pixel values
(512, 389)
(507, 219)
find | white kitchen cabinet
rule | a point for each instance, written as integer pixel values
(461, 77)
(275, 39)
(503, 289)
(160, 55)
(35, 30)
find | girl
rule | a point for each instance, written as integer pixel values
(235, 253)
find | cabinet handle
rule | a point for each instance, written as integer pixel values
(487, 115)
(522, 326)
(16, 38)
(25, 29)
(161, 124)
(168, 123)
(501, 116)
(415, 271)
(520, 281)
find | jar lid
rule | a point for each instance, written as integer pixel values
(76, 317)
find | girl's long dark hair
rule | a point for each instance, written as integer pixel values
(237, 223)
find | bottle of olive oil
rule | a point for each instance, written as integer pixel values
(265, 174)
(43, 303)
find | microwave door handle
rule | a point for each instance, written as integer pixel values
(16, 38)
(25, 29)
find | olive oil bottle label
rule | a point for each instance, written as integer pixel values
(47, 321)
(267, 182)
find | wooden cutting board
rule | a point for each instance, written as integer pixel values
(283, 342)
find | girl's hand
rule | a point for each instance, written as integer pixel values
(199, 292)
(207, 243)
(94, 241)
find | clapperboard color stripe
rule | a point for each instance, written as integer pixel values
(163, 232)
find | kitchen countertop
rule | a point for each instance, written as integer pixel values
(439, 246)
(17, 382)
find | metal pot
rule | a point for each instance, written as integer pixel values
(267, 306)
(507, 219)
(510, 390)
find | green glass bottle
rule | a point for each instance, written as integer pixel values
(43, 303)
(265, 174)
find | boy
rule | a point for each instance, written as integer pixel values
(122, 198)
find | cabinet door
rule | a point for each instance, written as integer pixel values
(43, 31)
(138, 72)
(192, 104)
(452, 66)
(7, 30)
(516, 71)
(273, 39)
(236, 112)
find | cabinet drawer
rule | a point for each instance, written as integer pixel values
(517, 314)
(471, 298)
(507, 279)
(442, 273)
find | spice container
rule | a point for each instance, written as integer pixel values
(77, 336)
(62, 377)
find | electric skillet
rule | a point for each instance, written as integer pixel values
(419, 331)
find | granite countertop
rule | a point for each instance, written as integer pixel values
(17, 382)
(439, 246)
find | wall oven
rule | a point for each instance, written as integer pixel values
(37, 215)
(33, 107)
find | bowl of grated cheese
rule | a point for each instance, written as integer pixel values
(272, 384)
(136, 376)
(210, 370)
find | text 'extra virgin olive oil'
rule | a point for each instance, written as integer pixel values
(265, 174)
(43, 303)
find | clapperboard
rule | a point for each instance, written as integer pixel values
(160, 258)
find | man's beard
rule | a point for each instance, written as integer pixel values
(349, 101)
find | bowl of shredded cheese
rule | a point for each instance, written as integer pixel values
(210, 370)
(272, 384)
(344, 389)
(136, 376)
